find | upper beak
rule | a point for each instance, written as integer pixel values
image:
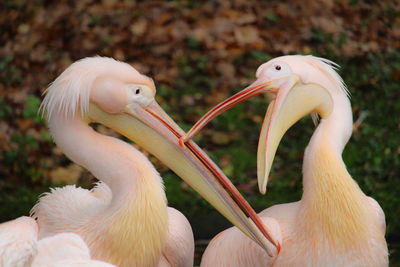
(151, 128)
(291, 101)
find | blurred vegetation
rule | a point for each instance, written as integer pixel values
(200, 54)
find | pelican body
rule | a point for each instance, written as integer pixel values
(124, 219)
(20, 247)
(334, 223)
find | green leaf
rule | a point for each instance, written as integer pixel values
(31, 110)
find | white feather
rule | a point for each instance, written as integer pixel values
(77, 204)
(65, 249)
(331, 67)
(64, 246)
(18, 242)
(19, 247)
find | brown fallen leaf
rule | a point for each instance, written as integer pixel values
(139, 27)
(246, 35)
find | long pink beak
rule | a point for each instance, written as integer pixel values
(220, 177)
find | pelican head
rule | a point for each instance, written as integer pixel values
(298, 85)
(103, 90)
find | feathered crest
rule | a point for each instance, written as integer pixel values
(70, 92)
(330, 68)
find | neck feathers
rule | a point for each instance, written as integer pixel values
(333, 203)
(131, 229)
(135, 233)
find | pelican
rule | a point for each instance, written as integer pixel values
(334, 223)
(20, 247)
(124, 219)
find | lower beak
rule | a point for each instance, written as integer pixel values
(151, 128)
(290, 104)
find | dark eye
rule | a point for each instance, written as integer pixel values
(137, 91)
(278, 67)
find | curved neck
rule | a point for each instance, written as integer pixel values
(327, 143)
(114, 162)
(138, 209)
(332, 201)
(330, 137)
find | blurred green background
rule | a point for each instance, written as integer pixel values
(200, 53)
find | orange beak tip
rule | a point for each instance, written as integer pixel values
(278, 247)
(181, 142)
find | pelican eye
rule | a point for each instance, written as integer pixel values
(275, 70)
(140, 94)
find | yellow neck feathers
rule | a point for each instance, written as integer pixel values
(333, 206)
(136, 233)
